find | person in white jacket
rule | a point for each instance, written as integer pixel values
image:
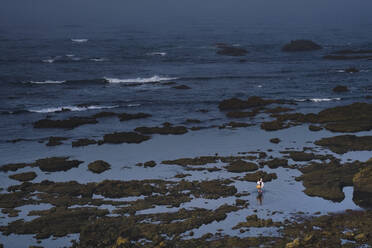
(260, 185)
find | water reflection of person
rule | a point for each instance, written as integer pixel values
(259, 198)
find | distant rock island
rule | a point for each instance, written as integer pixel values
(301, 46)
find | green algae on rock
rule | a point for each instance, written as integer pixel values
(83, 142)
(363, 186)
(239, 166)
(327, 180)
(254, 177)
(123, 137)
(24, 177)
(67, 124)
(345, 143)
(99, 166)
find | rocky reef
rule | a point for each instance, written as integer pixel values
(345, 143)
(66, 124)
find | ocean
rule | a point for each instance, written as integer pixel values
(176, 75)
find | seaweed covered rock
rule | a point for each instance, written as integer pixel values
(225, 49)
(301, 156)
(127, 117)
(165, 129)
(56, 164)
(254, 177)
(181, 87)
(203, 160)
(13, 167)
(239, 166)
(24, 177)
(340, 89)
(67, 124)
(351, 70)
(59, 222)
(253, 101)
(277, 162)
(99, 166)
(314, 128)
(83, 142)
(55, 141)
(363, 187)
(123, 137)
(327, 180)
(345, 143)
(301, 46)
(104, 114)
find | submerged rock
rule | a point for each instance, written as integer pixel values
(24, 177)
(99, 166)
(104, 114)
(254, 101)
(181, 87)
(301, 46)
(340, 88)
(67, 124)
(224, 49)
(126, 116)
(351, 70)
(165, 129)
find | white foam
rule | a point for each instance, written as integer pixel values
(158, 54)
(134, 105)
(98, 59)
(324, 99)
(70, 108)
(70, 55)
(139, 80)
(318, 99)
(47, 82)
(48, 60)
(340, 70)
(79, 40)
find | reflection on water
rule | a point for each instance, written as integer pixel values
(259, 198)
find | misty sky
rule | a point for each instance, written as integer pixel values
(172, 12)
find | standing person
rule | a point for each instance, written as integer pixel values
(260, 185)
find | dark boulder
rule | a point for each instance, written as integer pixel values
(340, 88)
(181, 87)
(301, 46)
(123, 137)
(351, 70)
(56, 164)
